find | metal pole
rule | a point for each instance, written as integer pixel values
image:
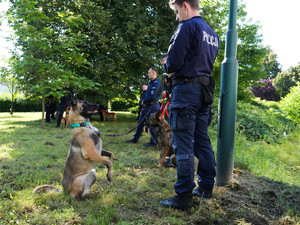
(227, 103)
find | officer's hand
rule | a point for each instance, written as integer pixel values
(170, 75)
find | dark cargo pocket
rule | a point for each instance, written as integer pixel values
(178, 118)
(183, 165)
(208, 91)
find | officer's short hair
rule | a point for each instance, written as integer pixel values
(193, 3)
(154, 69)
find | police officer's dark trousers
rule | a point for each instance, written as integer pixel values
(50, 110)
(62, 108)
(144, 115)
(189, 120)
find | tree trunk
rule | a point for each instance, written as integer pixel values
(12, 104)
(43, 112)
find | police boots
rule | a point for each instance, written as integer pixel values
(182, 202)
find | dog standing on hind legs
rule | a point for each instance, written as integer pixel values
(163, 138)
(84, 152)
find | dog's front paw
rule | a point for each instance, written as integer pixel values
(159, 165)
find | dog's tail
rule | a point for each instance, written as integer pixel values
(46, 188)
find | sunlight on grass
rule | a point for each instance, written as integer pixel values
(5, 152)
(279, 162)
(30, 116)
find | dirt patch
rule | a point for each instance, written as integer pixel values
(250, 200)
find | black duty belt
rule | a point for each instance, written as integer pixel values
(184, 80)
(152, 103)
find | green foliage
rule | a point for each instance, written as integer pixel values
(290, 104)
(278, 162)
(261, 120)
(48, 55)
(271, 64)
(21, 104)
(114, 43)
(285, 80)
(250, 50)
(89, 42)
(122, 104)
(12, 84)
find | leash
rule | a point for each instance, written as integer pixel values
(96, 130)
(164, 107)
(118, 135)
(165, 110)
(163, 102)
(142, 120)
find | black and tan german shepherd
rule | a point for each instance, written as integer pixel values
(163, 137)
(84, 152)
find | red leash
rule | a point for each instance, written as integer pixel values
(163, 103)
(164, 107)
(165, 110)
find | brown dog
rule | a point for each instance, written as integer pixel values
(84, 152)
(108, 114)
(163, 137)
(65, 119)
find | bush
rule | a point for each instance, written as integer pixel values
(260, 120)
(266, 91)
(291, 104)
(285, 80)
(122, 104)
(21, 104)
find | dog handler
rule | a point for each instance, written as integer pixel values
(150, 105)
(64, 102)
(191, 56)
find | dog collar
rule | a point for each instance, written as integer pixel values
(84, 124)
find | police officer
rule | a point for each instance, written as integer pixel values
(64, 103)
(191, 56)
(150, 105)
(50, 109)
(143, 95)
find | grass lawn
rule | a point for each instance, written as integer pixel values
(266, 187)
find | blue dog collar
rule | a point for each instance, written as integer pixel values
(84, 124)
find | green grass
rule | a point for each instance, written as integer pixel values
(30, 156)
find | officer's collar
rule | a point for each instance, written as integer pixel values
(154, 79)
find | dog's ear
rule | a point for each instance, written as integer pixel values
(74, 101)
(158, 114)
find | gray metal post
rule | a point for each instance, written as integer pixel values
(227, 103)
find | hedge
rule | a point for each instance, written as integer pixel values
(20, 104)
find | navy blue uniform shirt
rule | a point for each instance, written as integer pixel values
(153, 92)
(142, 98)
(68, 94)
(194, 48)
